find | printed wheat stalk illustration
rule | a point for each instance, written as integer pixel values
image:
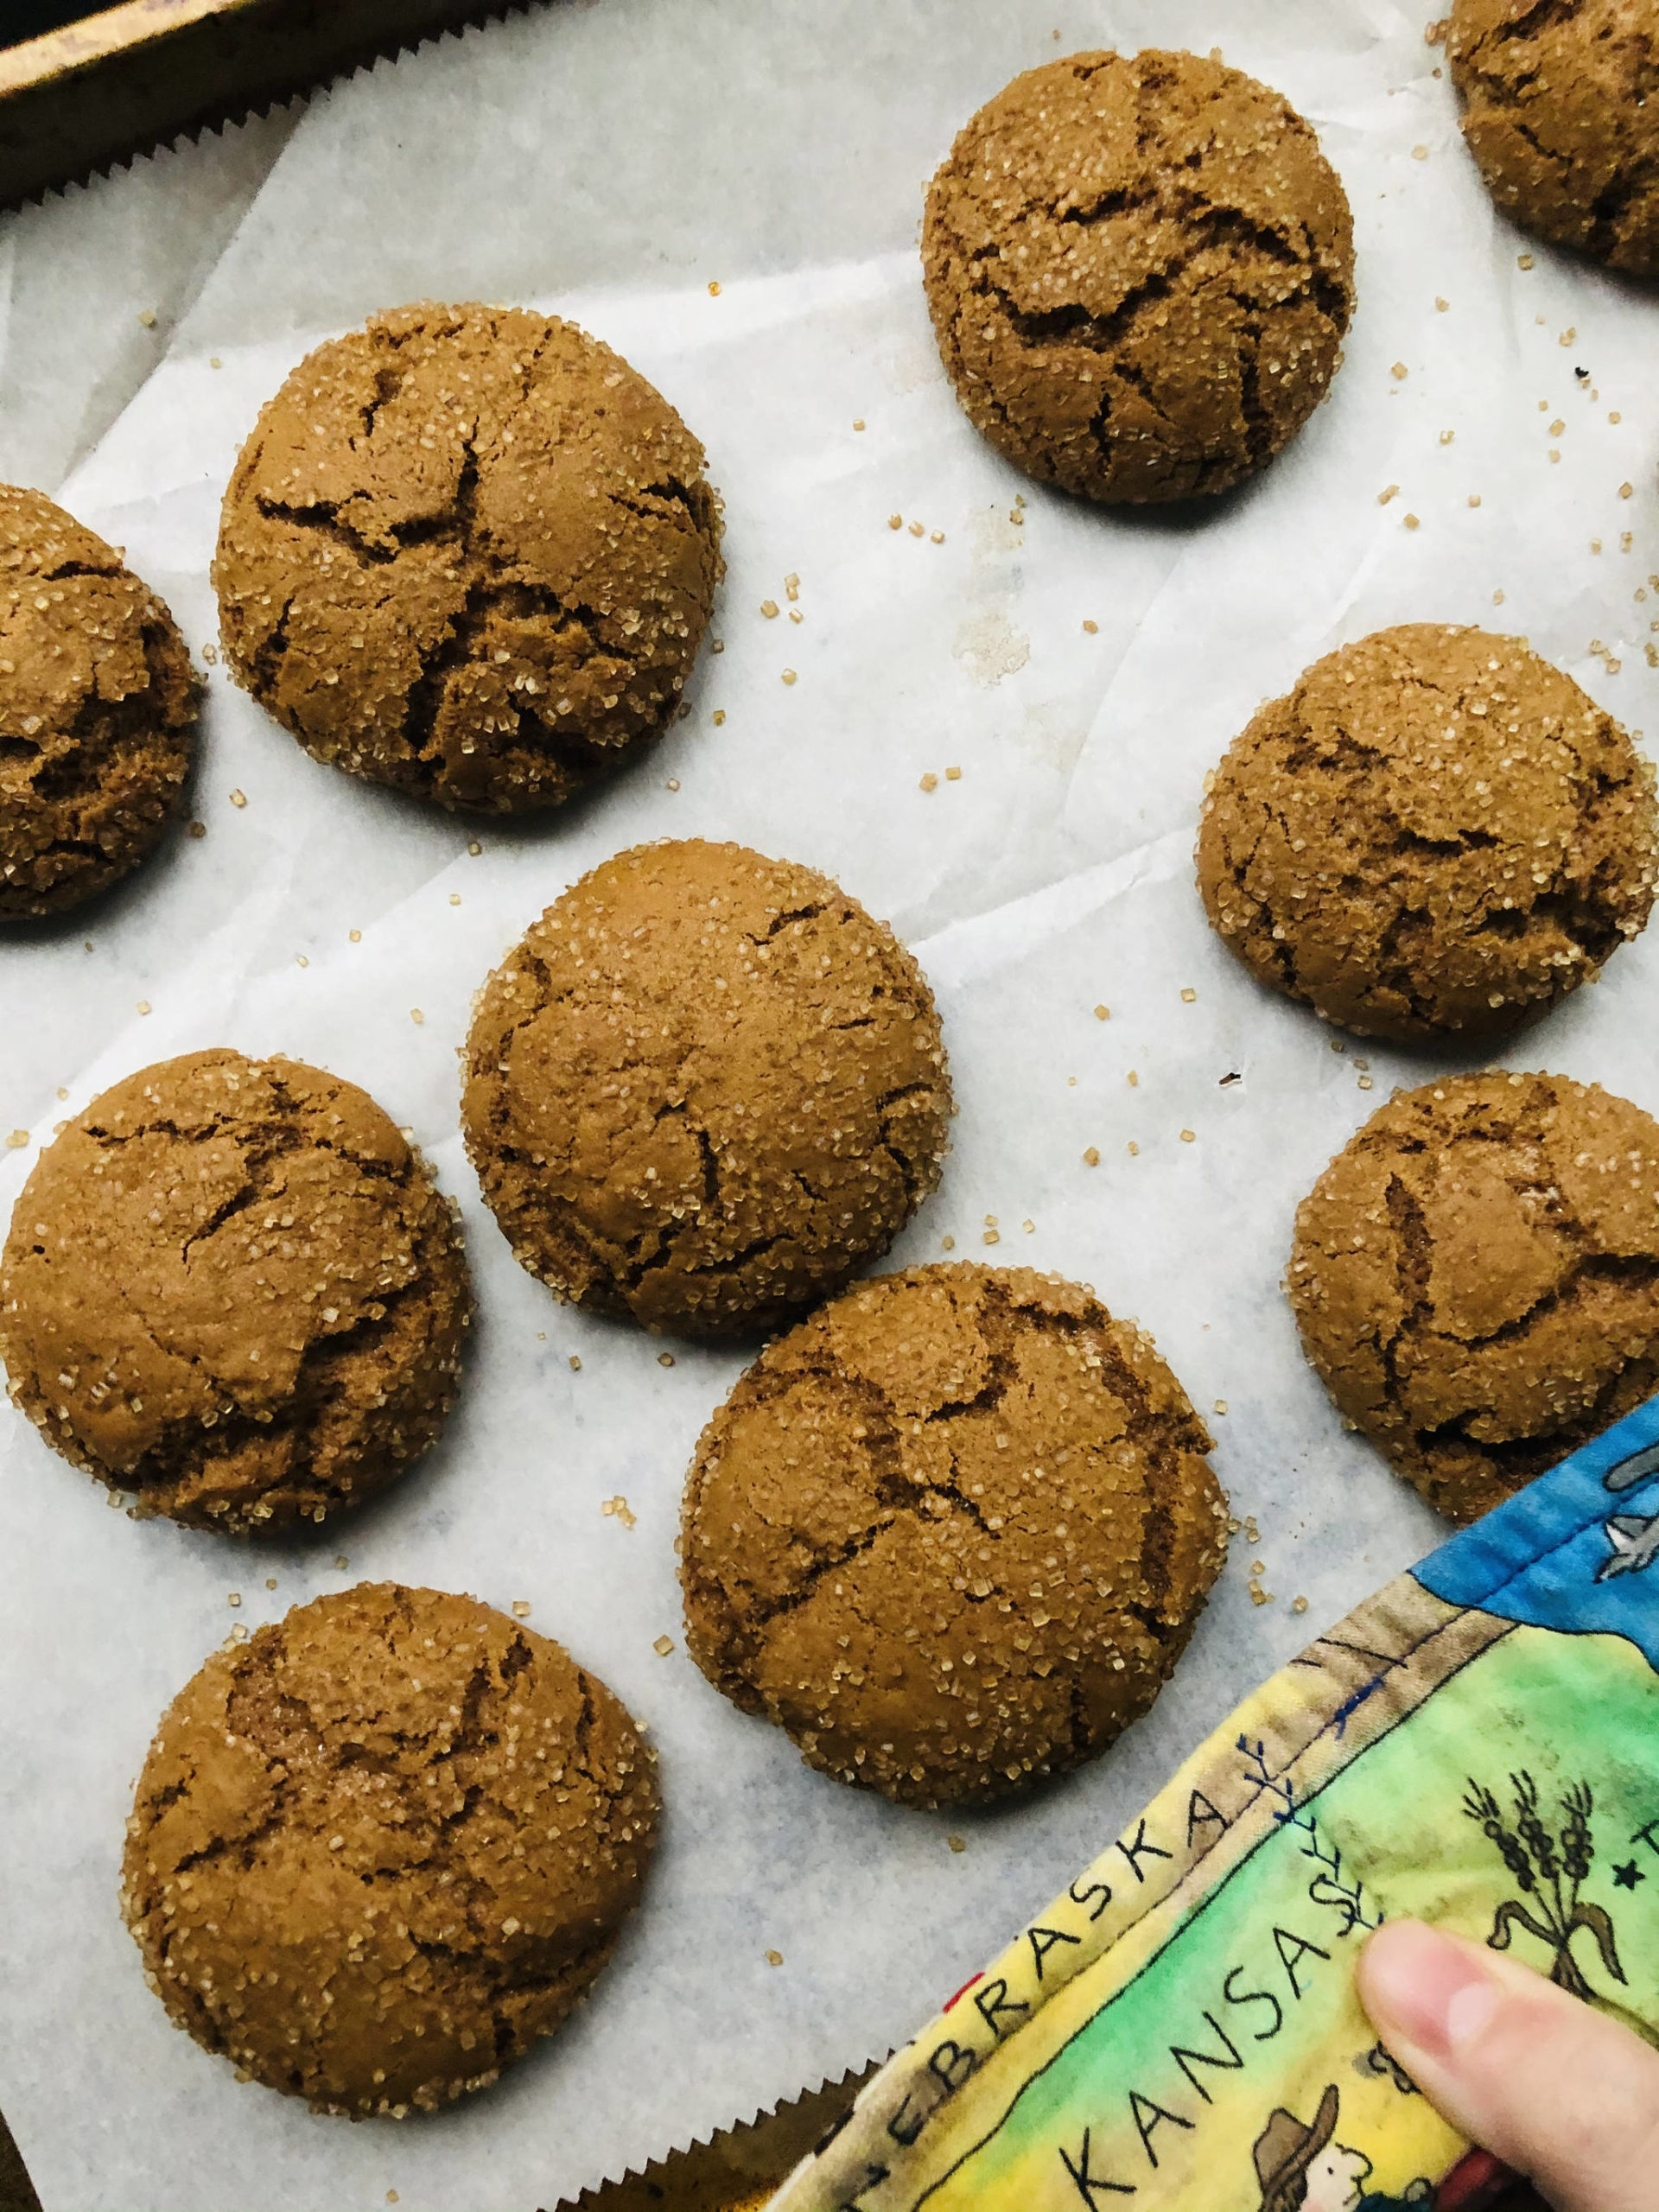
(1550, 1878)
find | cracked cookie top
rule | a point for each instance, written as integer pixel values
(230, 1288)
(1559, 112)
(1435, 833)
(97, 711)
(468, 552)
(379, 1848)
(703, 1089)
(1139, 271)
(1476, 1276)
(952, 1532)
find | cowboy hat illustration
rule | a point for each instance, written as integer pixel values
(1302, 2169)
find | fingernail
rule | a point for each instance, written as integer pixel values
(1426, 1988)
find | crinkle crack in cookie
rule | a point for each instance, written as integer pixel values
(468, 552)
(230, 1288)
(381, 1848)
(703, 1089)
(1477, 1278)
(97, 711)
(952, 1532)
(1435, 833)
(1141, 272)
(1560, 114)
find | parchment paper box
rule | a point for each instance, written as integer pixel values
(129, 79)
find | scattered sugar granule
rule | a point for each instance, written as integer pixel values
(895, 522)
(416, 1015)
(718, 717)
(1103, 1014)
(239, 798)
(714, 288)
(1298, 1604)
(1389, 491)
(663, 1646)
(664, 1359)
(17, 1140)
(1221, 1405)
(789, 676)
(617, 1508)
(146, 316)
(929, 782)
(143, 1005)
(1399, 372)
(575, 1364)
(521, 1609)
(774, 1958)
(1188, 995)
(953, 775)
(858, 421)
(1189, 1136)
(956, 1843)
(1091, 1158)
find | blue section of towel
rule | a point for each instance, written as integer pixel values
(1577, 1549)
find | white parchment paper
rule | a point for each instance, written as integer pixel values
(612, 162)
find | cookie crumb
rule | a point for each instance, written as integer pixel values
(17, 1140)
(1389, 491)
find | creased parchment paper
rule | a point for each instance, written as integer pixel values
(614, 162)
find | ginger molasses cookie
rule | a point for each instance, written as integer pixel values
(1559, 112)
(97, 711)
(469, 552)
(232, 1288)
(381, 1847)
(1477, 1278)
(1435, 833)
(704, 1088)
(952, 1532)
(1141, 270)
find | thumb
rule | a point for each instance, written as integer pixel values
(1552, 2086)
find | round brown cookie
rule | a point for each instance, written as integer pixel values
(1477, 1278)
(230, 1288)
(1435, 833)
(97, 711)
(469, 552)
(1140, 270)
(1559, 113)
(952, 1532)
(703, 1089)
(379, 1848)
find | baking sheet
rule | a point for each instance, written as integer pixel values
(612, 162)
